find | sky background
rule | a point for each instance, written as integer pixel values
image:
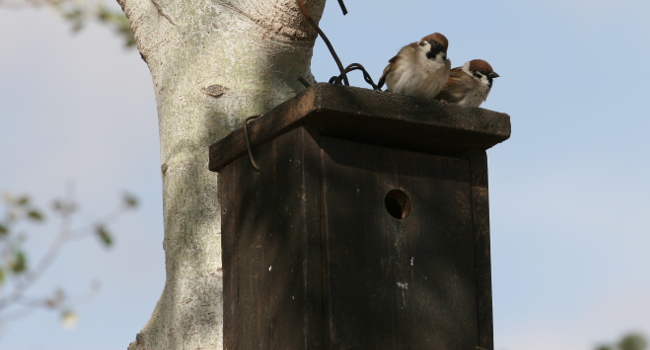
(569, 191)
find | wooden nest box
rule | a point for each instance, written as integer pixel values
(366, 227)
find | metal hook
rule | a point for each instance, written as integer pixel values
(248, 143)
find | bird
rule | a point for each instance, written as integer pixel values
(419, 69)
(468, 85)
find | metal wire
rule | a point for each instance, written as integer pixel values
(303, 9)
(342, 5)
(352, 67)
(342, 78)
(248, 143)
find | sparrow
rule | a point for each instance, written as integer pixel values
(468, 85)
(419, 69)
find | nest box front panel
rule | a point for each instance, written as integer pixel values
(271, 247)
(399, 261)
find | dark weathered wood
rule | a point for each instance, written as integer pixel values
(374, 117)
(481, 222)
(367, 227)
(315, 327)
(401, 283)
(273, 257)
(229, 186)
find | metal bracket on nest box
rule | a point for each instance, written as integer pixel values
(367, 227)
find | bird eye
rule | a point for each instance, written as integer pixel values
(421, 43)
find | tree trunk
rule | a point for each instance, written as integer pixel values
(252, 51)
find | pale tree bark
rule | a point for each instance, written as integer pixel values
(255, 50)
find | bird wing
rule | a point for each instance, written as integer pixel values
(387, 70)
(453, 91)
(406, 50)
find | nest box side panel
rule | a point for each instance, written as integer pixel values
(268, 295)
(481, 218)
(400, 254)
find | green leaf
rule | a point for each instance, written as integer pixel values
(104, 15)
(19, 264)
(632, 342)
(35, 215)
(130, 201)
(3, 229)
(77, 25)
(104, 236)
(2, 277)
(24, 200)
(119, 22)
(74, 14)
(69, 319)
(56, 299)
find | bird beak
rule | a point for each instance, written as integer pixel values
(493, 75)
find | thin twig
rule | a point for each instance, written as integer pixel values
(113, 216)
(303, 9)
(95, 286)
(18, 314)
(33, 304)
(46, 261)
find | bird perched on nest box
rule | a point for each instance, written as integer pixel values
(468, 85)
(419, 69)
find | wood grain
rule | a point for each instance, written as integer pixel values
(402, 283)
(315, 257)
(369, 116)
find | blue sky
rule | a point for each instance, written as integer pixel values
(569, 191)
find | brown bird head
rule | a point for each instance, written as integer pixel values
(482, 67)
(438, 43)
